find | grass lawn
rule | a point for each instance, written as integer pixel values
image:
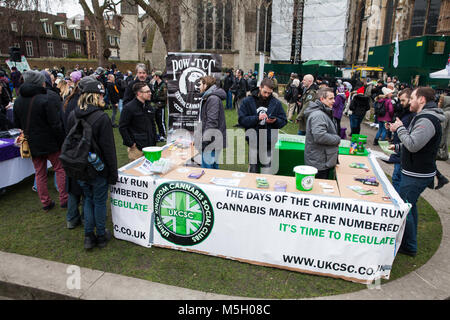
(25, 229)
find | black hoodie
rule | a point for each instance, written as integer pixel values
(45, 132)
(103, 135)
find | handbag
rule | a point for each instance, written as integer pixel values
(22, 139)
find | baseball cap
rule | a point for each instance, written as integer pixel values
(91, 85)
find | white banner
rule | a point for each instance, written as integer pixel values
(282, 20)
(344, 238)
(131, 208)
(324, 30)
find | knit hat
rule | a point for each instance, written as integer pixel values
(33, 77)
(100, 71)
(158, 73)
(90, 85)
(75, 76)
(360, 90)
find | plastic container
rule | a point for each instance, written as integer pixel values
(152, 154)
(304, 177)
(359, 138)
(96, 162)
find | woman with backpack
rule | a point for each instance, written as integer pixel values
(90, 108)
(384, 111)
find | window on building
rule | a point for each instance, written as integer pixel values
(50, 50)
(48, 28)
(117, 40)
(65, 50)
(78, 49)
(63, 31)
(425, 17)
(29, 48)
(111, 40)
(14, 26)
(92, 36)
(76, 33)
(388, 22)
(214, 24)
(264, 28)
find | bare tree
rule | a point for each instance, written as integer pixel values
(166, 15)
(97, 17)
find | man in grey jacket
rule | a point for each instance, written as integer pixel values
(322, 139)
(419, 147)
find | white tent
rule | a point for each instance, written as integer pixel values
(443, 74)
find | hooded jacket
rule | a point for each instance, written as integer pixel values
(360, 105)
(339, 105)
(420, 142)
(443, 147)
(253, 106)
(389, 109)
(212, 115)
(103, 135)
(322, 140)
(45, 133)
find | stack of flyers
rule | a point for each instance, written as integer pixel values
(262, 183)
(356, 165)
(361, 191)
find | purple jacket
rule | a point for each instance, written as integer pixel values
(339, 105)
(389, 110)
(15, 78)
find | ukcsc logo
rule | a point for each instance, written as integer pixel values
(183, 213)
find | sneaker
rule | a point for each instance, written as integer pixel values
(34, 188)
(90, 241)
(103, 240)
(441, 182)
(49, 207)
(162, 139)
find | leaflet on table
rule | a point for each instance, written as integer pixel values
(384, 145)
(226, 182)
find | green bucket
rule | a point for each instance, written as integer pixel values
(152, 154)
(304, 177)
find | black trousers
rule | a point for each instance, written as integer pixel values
(160, 119)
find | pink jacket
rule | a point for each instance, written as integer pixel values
(389, 110)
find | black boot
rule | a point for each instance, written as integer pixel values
(90, 241)
(102, 240)
(442, 181)
(375, 142)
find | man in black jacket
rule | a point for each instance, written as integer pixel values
(113, 94)
(39, 118)
(159, 100)
(136, 123)
(227, 84)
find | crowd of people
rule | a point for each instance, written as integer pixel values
(52, 108)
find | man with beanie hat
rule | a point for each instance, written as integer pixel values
(37, 115)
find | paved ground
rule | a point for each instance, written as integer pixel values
(23, 277)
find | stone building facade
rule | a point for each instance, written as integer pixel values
(238, 30)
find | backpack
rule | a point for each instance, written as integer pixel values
(76, 147)
(288, 93)
(380, 109)
(123, 84)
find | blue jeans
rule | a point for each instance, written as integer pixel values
(397, 176)
(120, 105)
(73, 213)
(381, 131)
(210, 160)
(96, 196)
(355, 124)
(410, 190)
(229, 104)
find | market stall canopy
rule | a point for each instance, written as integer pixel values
(442, 74)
